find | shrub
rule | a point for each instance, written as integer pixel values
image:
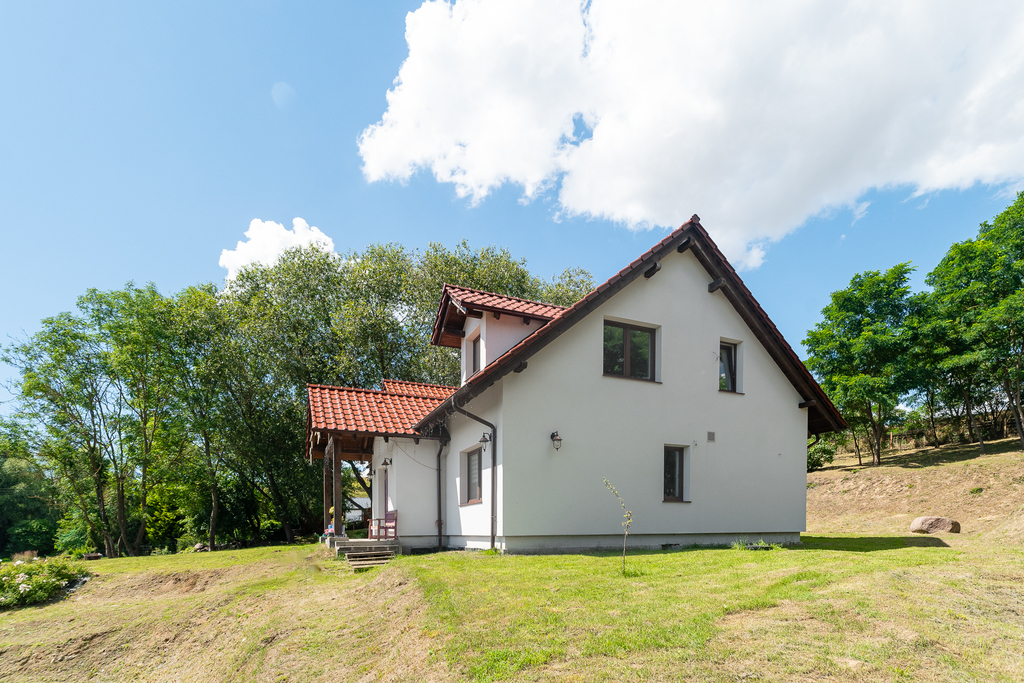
(31, 534)
(819, 455)
(26, 582)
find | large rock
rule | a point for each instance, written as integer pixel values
(932, 525)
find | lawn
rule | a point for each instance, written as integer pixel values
(878, 605)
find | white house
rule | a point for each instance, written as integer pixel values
(668, 380)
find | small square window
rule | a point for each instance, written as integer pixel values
(628, 351)
(727, 367)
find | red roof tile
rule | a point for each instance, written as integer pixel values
(398, 386)
(505, 304)
(468, 299)
(367, 411)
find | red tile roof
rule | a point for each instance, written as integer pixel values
(504, 304)
(822, 415)
(468, 299)
(398, 386)
(366, 411)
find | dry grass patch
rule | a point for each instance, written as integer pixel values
(260, 614)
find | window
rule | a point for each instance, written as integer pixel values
(475, 344)
(727, 367)
(628, 351)
(677, 489)
(473, 492)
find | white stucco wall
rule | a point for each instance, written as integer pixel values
(469, 526)
(412, 487)
(497, 335)
(751, 481)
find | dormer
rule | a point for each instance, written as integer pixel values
(485, 325)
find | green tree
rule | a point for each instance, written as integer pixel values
(858, 350)
(27, 507)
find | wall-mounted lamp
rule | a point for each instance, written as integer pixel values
(486, 438)
(386, 462)
(556, 440)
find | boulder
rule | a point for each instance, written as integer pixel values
(92, 556)
(199, 547)
(932, 525)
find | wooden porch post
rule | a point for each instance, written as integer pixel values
(328, 452)
(339, 494)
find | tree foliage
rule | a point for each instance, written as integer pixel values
(149, 420)
(956, 351)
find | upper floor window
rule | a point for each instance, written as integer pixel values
(628, 351)
(475, 353)
(727, 367)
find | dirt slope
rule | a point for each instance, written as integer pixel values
(985, 493)
(291, 618)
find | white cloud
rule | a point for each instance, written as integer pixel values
(267, 240)
(754, 115)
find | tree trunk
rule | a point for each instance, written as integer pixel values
(141, 536)
(856, 447)
(970, 420)
(1014, 401)
(214, 502)
(362, 482)
(122, 520)
(931, 418)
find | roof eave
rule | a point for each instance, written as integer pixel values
(715, 263)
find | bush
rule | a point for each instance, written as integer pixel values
(28, 582)
(31, 534)
(819, 455)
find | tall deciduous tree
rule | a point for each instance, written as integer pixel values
(858, 350)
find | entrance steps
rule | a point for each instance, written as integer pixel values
(364, 554)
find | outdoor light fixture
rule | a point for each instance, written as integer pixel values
(556, 440)
(386, 462)
(486, 438)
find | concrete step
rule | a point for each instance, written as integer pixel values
(365, 559)
(356, 566)
(343, 548)
(369, 556)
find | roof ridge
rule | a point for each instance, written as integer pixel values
(797, 373)
(422, 384)
(506, 296)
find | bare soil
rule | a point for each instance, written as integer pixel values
(985, 493)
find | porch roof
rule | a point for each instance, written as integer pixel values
(358, 415)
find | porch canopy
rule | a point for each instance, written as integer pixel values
(343, 422)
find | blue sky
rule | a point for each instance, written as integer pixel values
(138, 141)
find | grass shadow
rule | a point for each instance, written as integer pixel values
(927, 457)
(868, 544)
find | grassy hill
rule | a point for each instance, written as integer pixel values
(861, 600)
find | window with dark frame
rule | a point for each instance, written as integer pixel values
(727, 367)
(628, 351)
(674, 473)
(476, 356)
(473, 491)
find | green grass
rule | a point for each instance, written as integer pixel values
(507, 614)
(841, 607)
